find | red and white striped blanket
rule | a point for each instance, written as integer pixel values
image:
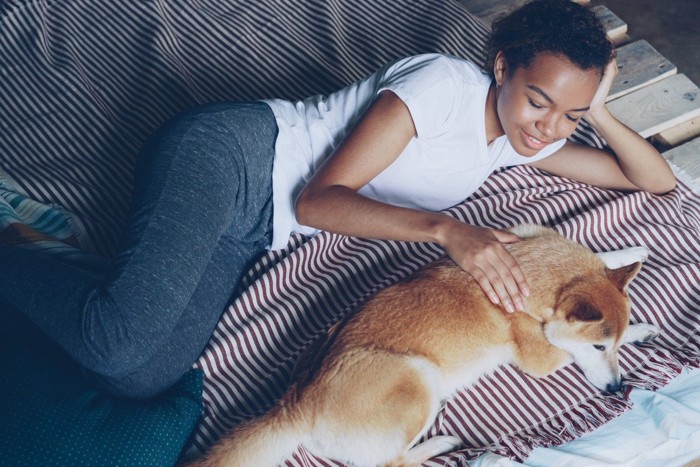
(296, 295)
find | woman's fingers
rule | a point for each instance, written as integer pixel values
(505, 237)
(516, 278)
(501, 279)
(510, 272)
(482, 253)
(606, 82)
(480, 276)
(504, 294)
(507, 282)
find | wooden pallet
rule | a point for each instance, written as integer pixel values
(687, 157)
(649, 95)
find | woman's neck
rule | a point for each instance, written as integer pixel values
(493, 123)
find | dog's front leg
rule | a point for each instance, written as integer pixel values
(624, 257)
(641, 332)
(534, 354)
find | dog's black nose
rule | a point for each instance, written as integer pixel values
(614, 387)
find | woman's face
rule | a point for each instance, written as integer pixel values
(542, 103)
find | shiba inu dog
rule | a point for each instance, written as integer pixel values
(374, 386)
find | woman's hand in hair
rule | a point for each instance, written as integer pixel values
(606, 83)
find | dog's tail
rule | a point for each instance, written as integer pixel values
(262, 441)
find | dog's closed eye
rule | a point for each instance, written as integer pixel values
(599, 347)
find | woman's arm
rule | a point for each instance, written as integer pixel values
(330, 202)
(635, 164)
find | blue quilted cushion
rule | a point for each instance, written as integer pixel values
(50, 417)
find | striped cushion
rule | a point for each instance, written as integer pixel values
(84, 82)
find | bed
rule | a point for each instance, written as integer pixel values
(84, 82)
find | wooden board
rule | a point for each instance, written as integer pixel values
(639, 65)
(659, 106)
(680, 133)
(614, 26)
(488, 10)
(687, 157)
(621, 40)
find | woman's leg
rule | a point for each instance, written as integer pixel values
(229, 263)
(201, 203)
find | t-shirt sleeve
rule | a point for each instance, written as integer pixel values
(429, 86)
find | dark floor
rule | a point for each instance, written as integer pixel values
(671, 26)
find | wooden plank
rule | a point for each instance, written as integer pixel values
(488, 10)
(622, 39)
(659, 106)
(613, 25)
(640, 65)
(679, 133)
(687, 157)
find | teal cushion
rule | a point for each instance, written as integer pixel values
(50, 416)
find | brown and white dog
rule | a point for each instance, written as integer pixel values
(377, 382)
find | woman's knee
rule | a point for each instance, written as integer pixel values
(136, 371)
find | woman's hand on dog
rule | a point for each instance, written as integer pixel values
(481, 253)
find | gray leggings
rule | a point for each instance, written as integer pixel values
(200, 214)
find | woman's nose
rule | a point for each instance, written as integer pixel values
(547, 126)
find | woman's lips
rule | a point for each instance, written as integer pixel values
(532, 142)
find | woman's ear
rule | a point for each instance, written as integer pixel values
(499, 68)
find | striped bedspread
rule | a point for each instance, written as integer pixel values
(260, 336)
(85, 81)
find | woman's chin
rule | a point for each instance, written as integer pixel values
(524, 150)
(521, 146)
(533, 145)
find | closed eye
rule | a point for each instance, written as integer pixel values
(600, 347)
(573, 119)
(532, 103)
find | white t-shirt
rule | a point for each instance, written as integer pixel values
(442, 165)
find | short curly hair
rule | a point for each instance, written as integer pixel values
(556, 27)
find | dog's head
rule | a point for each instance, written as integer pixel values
(591, 321)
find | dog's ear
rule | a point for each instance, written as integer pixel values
(621, 277)
(584, 312)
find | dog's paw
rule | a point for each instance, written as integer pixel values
(620, 258)
(443, 444)
(642, 332)
(451, 443)
(636, 253)
(430, 448)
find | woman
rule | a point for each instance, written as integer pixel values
(377, 159)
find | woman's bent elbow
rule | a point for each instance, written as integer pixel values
(303, 208)
(666, 187)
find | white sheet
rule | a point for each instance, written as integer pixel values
(661, 430)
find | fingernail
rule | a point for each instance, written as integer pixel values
(519, 305)
(494, 299)
(509, 307)
(526, 291)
